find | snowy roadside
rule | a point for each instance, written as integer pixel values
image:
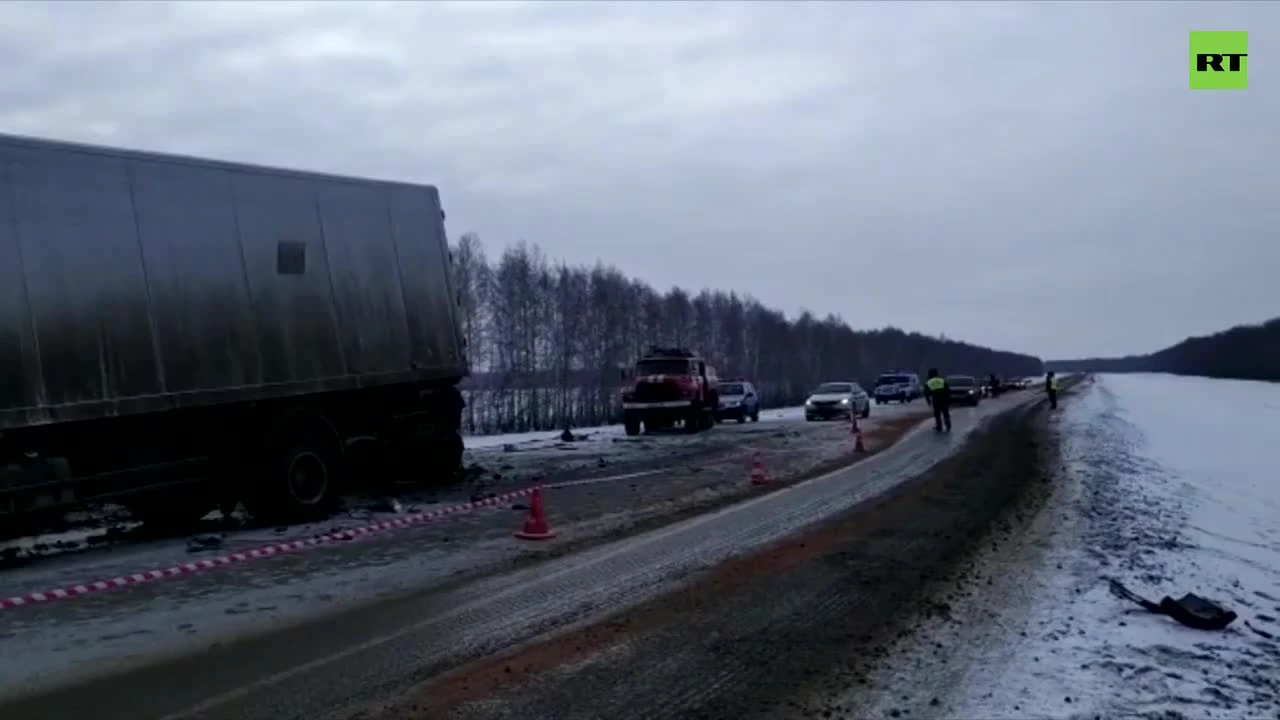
(1162, 484)
(496, 463)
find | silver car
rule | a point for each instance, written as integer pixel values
(901, 386)
(738, 401)
(837, 400)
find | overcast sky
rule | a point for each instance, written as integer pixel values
(1033, 177)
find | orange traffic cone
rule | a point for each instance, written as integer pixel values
(535, 523)
(858, 447)
(757, 476)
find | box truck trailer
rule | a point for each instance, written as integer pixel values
(178, 334)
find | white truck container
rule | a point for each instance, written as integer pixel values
(177, 333)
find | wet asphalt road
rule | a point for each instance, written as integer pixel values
(775, 634)
(63, 641)
(367, 652)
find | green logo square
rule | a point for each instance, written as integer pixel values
(1219, 60)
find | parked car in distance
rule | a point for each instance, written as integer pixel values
(901, 386)
(965, 390)
(738, 401)
(837, 400)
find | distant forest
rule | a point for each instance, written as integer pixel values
(1245, 352)
(546, 341)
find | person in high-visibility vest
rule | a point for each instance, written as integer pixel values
(1051, 388)
(939, 395)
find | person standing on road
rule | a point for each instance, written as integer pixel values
(1051, 388)
(939, 395)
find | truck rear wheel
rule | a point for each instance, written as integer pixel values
(631, 423)
(451, 449)
(442, 460)
(302, 478)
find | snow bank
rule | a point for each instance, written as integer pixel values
(604, 433)
(1174, 493)
(1164, 483)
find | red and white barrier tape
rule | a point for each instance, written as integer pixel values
(266, 551)
(198, 566)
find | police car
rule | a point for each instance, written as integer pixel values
(901, 386)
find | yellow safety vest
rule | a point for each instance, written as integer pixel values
(935, 383)
(1053, 384)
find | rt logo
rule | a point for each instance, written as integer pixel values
(1219, 60)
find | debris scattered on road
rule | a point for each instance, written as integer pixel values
(201, 543)
(1190, 610)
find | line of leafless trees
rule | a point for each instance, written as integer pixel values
(547, 341)
(1244, 352)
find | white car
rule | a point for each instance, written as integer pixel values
(738, 401)
(837, 400)
(901, 386)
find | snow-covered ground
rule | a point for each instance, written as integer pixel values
(1165, 483)
(604, 433)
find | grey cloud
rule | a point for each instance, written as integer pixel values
(1031, 176)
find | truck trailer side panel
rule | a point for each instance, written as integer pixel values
(132, 282)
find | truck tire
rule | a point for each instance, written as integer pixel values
(631, 424)
(697, 420)
(449, 462)
(301, 480)
(755, 415)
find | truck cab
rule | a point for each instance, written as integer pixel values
(670, 385)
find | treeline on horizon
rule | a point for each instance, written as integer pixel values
(546, 341)
(1244, 352)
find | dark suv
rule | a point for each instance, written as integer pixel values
(965, 390)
